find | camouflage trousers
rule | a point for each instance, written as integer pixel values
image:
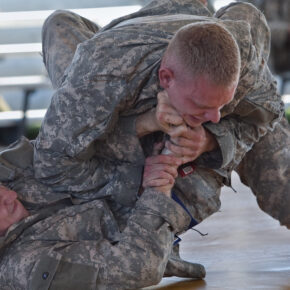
(265, 169)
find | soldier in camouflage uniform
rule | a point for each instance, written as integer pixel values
(265, 169)
(104, 80)
(100, 91)
(74, 244)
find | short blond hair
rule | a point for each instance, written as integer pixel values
(207, 49)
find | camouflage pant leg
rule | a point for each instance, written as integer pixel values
(61, 33)
(200, 192)
(266, 170)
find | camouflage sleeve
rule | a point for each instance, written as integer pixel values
(137, 260)
(253, 117)
(84, 112)
(165, 7)
(277, 14)
(257, 106)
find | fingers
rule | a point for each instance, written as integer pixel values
(182, 145)
(166, 115)
(157, 178)
(181, 141)
(180, 151)
(160, 172)
(157, 147)
(187, 143)
(162, 97)
(176, 131)
(156, 183)
(163, 159)
(196, 133)
(162, 168)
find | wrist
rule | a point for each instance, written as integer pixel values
(165, 190)
(211, 143)
(147, 123)
(153, 120)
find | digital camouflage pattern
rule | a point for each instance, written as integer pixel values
(69, 243)
(266, 170)
(277, 14)
(81, 247)
(87, 143)
(79, 155)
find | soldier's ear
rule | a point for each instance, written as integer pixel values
(166, 77)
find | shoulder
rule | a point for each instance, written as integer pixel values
(117, 51)
(249, 27)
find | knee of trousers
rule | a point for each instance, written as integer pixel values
(266, 170)
(245, 12)
(56, 20)
(240, 10)
(200, 192)
(271, 187)
(277, 205)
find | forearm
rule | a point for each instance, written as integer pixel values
(84, 110)
(147, 240)
(211, 142)
(236, 135)
(146, 123)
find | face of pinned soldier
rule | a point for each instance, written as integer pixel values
(11, 209)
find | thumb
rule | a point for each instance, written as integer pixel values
(157, 147)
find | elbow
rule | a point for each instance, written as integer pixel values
(149, 276)
(156, 274)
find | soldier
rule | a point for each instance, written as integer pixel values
(94, 141)
(107, 80)
(74, 244)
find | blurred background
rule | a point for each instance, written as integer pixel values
(25, 91)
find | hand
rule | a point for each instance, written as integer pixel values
(167, 118)
(160, 172)
(146, 123)
(191, 143)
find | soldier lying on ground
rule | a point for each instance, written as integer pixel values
(75, 244)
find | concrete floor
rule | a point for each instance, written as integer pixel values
(244, 249)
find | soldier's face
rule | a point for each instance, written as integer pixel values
(11, 209)
(198, 100)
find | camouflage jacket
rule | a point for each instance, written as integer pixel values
(79, 246)
(87, 143)
(69, 243)
(277, 14)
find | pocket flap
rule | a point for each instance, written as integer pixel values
(54, 274)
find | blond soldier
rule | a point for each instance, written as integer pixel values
(89, 142)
